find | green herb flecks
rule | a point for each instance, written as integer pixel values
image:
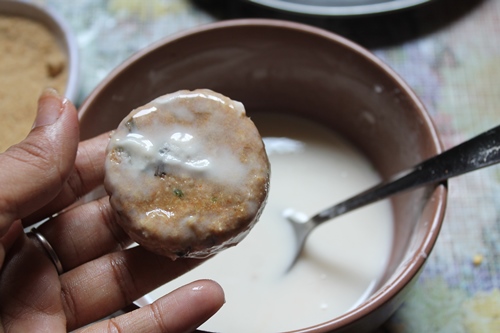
(178, 193)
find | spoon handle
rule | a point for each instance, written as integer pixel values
(478, 152)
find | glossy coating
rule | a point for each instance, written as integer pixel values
(187, 173)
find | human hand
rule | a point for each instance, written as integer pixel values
(45, 174)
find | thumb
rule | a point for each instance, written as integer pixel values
(33, 171)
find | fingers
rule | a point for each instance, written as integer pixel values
(101, 279)
(105, 285)
(85, 233)
(87, 174)
(34, 170)
(183, 310)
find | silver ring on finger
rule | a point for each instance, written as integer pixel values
(35, 234)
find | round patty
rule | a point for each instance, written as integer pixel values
(187, 173)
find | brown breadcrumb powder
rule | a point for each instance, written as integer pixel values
(30, 60)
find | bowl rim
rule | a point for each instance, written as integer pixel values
(412, 267)
(339, 10)
(43, 15)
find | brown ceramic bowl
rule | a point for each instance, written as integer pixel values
(300, 70)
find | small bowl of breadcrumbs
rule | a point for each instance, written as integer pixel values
(37, 51)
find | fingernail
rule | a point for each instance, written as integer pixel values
(50, 107)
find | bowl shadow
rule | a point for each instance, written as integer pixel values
(371, 31)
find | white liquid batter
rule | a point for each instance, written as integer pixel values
(312, 169)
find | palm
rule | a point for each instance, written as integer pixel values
(30, 287)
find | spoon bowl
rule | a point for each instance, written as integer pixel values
(476, 153)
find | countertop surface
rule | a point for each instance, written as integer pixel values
(449, 53)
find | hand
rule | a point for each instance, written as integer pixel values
(45, 174)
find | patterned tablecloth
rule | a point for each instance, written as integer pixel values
(447, 50)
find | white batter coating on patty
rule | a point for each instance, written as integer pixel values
(187, 173)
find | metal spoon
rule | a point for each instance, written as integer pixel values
(478, 152)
